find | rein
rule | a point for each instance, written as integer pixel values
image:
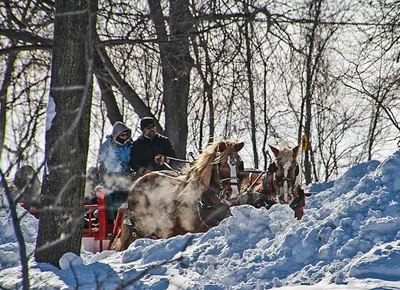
(177, 159)
(260, 173)
(172, 169)
(162, 160)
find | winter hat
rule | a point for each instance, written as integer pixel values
(147, 122)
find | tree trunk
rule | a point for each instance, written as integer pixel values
(311, 65)
(107, 96)
(3, 99)
(67, 135)
(176, 65)
(248, 32)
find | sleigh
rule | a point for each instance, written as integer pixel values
(99, 232)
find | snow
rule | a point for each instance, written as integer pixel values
(50, 112)
(349, 238)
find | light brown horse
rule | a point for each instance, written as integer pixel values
(280, 184)
(165, 204)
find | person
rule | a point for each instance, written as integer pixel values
(149, 145)
(114, 153)
(115, 173)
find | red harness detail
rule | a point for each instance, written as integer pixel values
(270, 189)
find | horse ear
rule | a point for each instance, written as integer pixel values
(296, 151)
(221, 147)
(239, 146)
(274, 150)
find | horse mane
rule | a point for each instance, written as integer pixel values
(286, 154)
(201, 169)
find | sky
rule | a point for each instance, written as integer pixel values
(349, 238)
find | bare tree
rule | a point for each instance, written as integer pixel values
(176, 66)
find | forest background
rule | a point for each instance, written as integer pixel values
(259, 71)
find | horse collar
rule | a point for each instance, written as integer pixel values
(218, 212)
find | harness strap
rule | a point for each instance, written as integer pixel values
(269, 182)
(300, 200)
(200, 205)
(225, 181)
(255, 181)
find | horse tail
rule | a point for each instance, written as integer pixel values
(125, 238)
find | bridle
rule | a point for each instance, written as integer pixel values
(284, 180)
(220, 211)
(233, 180)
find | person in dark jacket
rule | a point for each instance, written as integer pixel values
(147, 146)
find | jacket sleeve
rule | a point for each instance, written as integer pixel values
(101, 159)
(169, 150)
(107, 157)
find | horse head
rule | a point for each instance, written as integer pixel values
(27, 184)
(279, 184)
(228, 164)
(217, 168)
(286, 174)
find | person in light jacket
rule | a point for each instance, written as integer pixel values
(115, 173)
(114, 153)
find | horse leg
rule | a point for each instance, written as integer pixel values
(125, 238)
(299, 213)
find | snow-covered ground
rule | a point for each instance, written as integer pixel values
(349, 238)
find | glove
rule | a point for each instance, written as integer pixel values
(159, 159)
(142, 171)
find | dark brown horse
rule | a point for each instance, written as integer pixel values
(26, 186)
(280, 184)
(165, 204)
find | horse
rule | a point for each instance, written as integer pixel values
(26, 186)
(163, 204)
(279, 184)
